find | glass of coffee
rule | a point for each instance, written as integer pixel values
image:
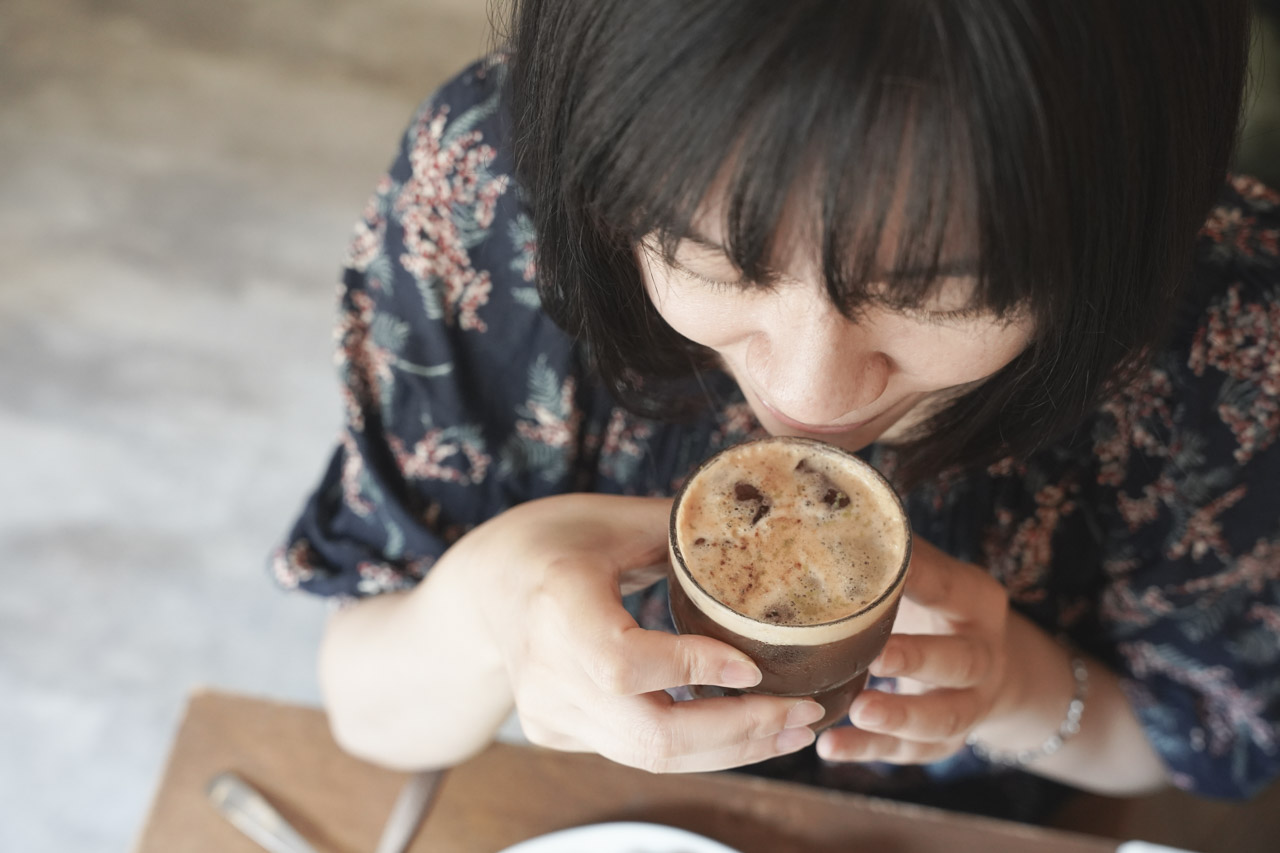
(794, 552)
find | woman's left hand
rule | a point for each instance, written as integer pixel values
(949, 654)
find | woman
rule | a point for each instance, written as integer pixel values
(966, 239)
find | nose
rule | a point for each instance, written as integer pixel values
(816, 365)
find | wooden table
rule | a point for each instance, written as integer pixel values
(510, 793)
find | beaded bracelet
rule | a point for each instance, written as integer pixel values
(1069, 728)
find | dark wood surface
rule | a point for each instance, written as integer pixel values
(1178, 819)
(511, 793)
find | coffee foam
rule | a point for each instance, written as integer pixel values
(789, 540)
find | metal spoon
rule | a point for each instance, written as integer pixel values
(410, 808)
(250, 812)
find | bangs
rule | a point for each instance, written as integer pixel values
(1060, 156)
(878, 166)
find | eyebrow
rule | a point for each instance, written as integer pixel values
(950, 269)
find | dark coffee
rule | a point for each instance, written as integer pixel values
(794, 552)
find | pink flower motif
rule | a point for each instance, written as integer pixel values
(352, 474)
(1203, 532)
(431, 455)
(1251, 189)
(621, 447)
(365, 366)
(1252, 571)
(370, 231)
(737, 423)
(377, 578)
(1242, 339)
(1006, 467)
(1020, 557)
(449, 185)
(1139, 511)
(1268, 616)
(624, 433)
(528, 251)
(1141, 401)
(1229, 226)
(1123, 605)
(552, 428)
(1228, 710)
(293, 567)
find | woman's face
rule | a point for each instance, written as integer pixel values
(806, 369)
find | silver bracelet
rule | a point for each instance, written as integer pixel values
(1069, 728)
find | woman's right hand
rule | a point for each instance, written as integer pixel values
(549, 577)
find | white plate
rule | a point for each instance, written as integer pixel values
(621, 838)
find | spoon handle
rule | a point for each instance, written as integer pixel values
(250, 812)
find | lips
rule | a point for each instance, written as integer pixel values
(824, 429)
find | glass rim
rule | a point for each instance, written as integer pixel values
(679, 563)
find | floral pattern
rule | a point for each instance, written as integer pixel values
(1150, 536)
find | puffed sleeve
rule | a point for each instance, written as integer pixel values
(1192, 602)
(461, 398)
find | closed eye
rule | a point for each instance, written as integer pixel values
(955, 316)
(738, 284)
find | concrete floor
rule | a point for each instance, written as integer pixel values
(178, 183)
(179, 179)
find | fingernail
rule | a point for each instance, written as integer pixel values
(871, 714)
(789, 740)
(804, 713)
(891, 662)
(740, 673)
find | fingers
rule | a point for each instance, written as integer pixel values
(850, 744)
(934, 717)
(762, 749)
(957, 590)
(948, 660)
(637, 661)
(585, 627)
(714, 734)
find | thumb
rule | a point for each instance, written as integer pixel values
(633, 580)
(638, 532)
(646, 523)
(660, 661)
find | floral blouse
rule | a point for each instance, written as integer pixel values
(1149, 537)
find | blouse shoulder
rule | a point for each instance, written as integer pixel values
(461, 396)
(1187, 464)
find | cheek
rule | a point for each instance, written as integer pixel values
(943, 357)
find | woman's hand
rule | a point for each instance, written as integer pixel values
(949, 653)
(548, 580)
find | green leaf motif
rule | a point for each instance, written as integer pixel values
(1207, 618)
(544, 387)
(394, 548)
(432, 371)
(527, 296)
(1256, 647)
(369, 488)
(432, 300)
(521, 455)
(465, 122)
(389, 332)
(520, 232)
(380, 269)
(468, 434)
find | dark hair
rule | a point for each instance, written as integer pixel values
(1080, 142)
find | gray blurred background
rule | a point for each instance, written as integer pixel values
(178, 180)
(177, 183)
